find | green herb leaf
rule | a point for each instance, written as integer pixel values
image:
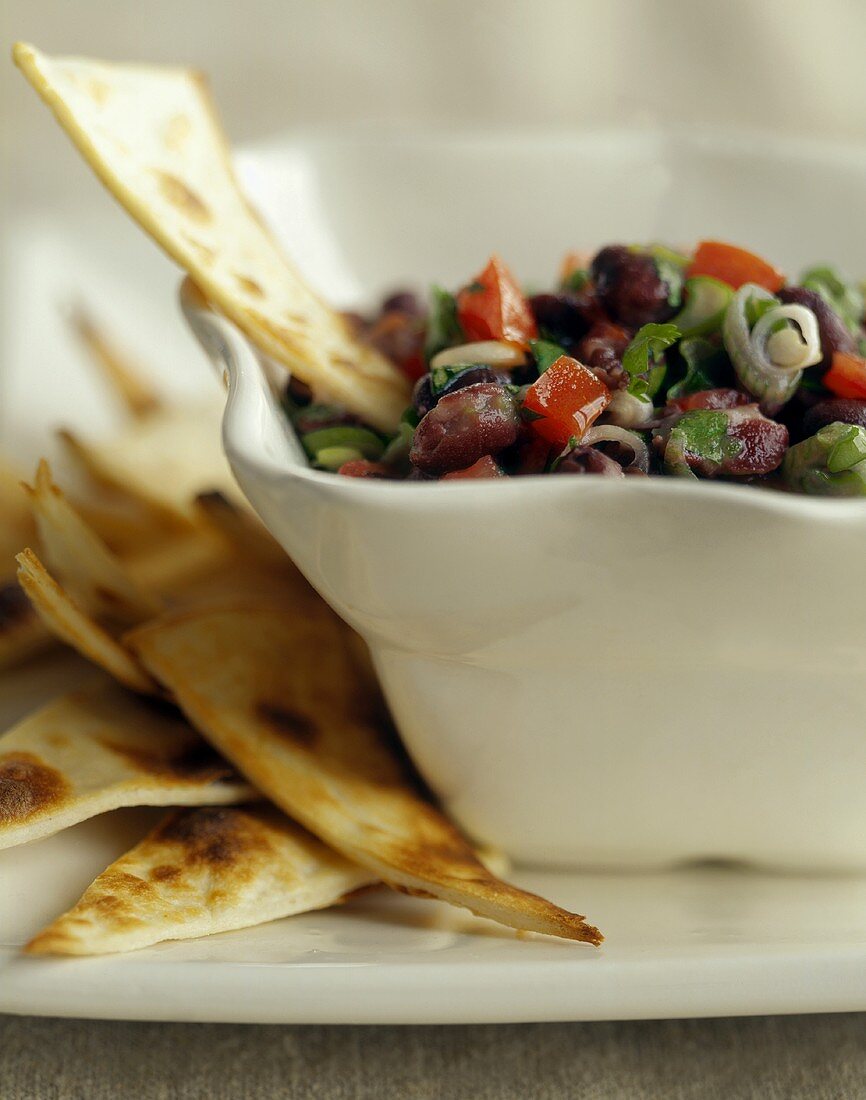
(545, 352)
(647, 346)
(704, 434)
(707, 366)
(576, 280)
(443, 328)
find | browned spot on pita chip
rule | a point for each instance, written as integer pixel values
(99, 750)
(28, 786)
(197, 199)
(199, 872)
(234, 671)
(183, 197)
(299, 727)
(250, 286)
(176, 132)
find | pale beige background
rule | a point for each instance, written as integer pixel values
(794, 65)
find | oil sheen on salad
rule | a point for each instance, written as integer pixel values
(643, 360)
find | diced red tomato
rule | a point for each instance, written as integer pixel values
(734, 266)
(711, 399)
(566, 399)
(492, 307)
(362, 467)
(847, 375)
(484, 467)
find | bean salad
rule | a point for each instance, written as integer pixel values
(642, 361)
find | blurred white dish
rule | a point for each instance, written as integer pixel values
(585, 672)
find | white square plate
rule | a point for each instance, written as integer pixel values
(364, 213)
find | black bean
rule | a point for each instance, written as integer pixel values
(402, 301)
(464, 426)
(847, 410)
(424, 399)
(630, 287)
(564, 317)
(834, 335)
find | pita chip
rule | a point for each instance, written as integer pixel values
(280, 696)
(153, 138)
(98, 750)
(203, 871)
(76, 627)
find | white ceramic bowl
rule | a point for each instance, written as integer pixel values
(585, 671)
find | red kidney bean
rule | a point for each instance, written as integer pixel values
(710, 399)
(589, 460)
(848, 410)
(402, 301)
(764, 443)
(630, 287)
(834, 335)
(464, 426)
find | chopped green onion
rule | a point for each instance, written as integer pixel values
(441, 376)
(545, 352)
(845, 298)
(367, 443)
(703, 434)
(706, 302)
(830, 463)
(770, 353)
(332, 458)
(396, 453)
(443, 328)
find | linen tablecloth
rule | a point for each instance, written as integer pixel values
(778, 1058)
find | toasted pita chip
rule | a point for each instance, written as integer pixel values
(126, 380)
(125, 520)
(280, 696)
(99, 582)
(243, 530)
(200, 872)
(98, 750)
(23, 634)
(164, 461)
(153, 137)
(16, 523)
(77, 628)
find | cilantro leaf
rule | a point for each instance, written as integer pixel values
(643, 354)
(545, 352)
(704, 434)
(443, 328)
(706, 367)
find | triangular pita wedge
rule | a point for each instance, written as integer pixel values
(199, 872)
(81, 561)
(98, 750)
(23, 634)
(16, 523)
(243, 530)
(124, 519)
(153, 137)
(126, 381)
(163, 460)
(279, 695)
(76, 627)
